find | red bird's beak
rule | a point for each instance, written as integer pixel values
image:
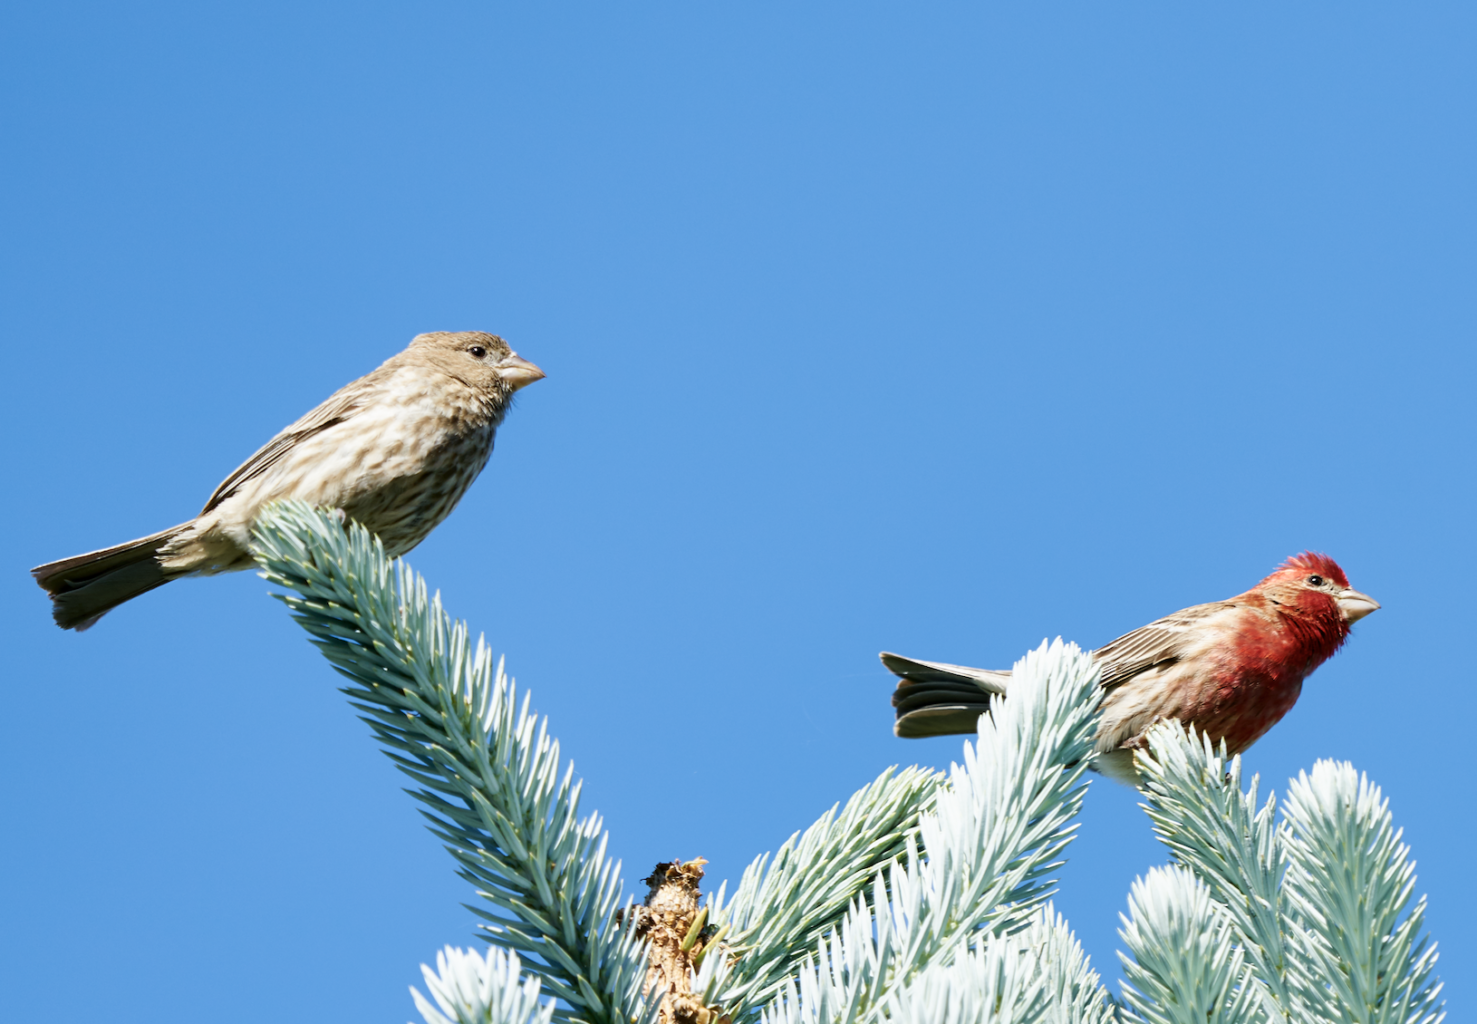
(1355, 605)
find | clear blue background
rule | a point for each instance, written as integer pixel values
(937, 328)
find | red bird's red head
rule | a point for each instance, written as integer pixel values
(1314, 584)
(1289, 624)
(1309, 563)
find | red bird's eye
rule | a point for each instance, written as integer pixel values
(1315, 581)
(478, 351)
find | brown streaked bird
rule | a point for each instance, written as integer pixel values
(394, 450)
(1231, 669)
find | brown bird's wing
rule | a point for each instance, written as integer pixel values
(339, 406)
(935, 698)
(1161, 642)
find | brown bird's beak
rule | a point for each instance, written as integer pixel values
(1355, 605)
(518, 372)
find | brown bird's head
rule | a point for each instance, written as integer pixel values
(480, 360)
(1314, 582)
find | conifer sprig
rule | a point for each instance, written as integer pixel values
(467, 988)
(777, 915)
(1319, 905)
(488, 772)
(994, 832)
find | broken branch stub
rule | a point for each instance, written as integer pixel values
(676, 941)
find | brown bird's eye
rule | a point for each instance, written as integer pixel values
(478, 351)
(1315, 581)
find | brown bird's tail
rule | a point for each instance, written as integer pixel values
(84, 588)
(934, 698)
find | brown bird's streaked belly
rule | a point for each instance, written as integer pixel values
(420, 502)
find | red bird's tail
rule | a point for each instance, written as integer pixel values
(84, 588)
(934, 698)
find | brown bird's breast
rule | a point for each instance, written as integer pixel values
(403, 511)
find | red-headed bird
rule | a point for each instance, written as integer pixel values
(1231, 669)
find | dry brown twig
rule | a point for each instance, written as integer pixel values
(677, 939)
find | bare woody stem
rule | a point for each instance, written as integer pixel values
(677, 939)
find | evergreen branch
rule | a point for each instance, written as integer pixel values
(468, 989)
(994, 832)
(1348, 886)
(1186, 967)
(488, 770)
(1074, 993)
(778, 915)
(1036, 975)
(1215, 830)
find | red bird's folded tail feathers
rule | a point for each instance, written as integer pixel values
(934, 698)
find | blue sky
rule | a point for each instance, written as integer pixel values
(939, 328)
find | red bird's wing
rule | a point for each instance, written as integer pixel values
(1161, 642)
